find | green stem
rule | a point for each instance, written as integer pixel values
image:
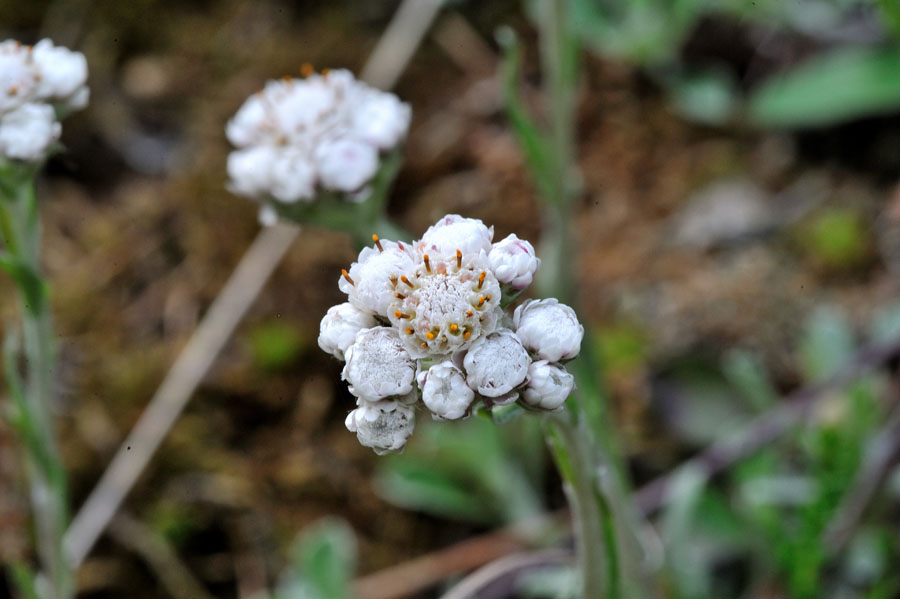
(593, 518)
(49, 496)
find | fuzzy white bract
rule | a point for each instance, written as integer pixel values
(426, 320)
(38, 85)
(324, 132)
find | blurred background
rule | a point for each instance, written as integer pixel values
(739, 238)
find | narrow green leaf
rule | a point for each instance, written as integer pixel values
(23, 580)
(29, 282)
(323, 564)
(840, 85)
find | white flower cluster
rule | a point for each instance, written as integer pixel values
(38, 84)
(323, 132)
(426, 321)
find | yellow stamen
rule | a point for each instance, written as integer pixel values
(481, 279)
(427, 263)
(377, 242)
(306, 69)
(430, 335)
(458, 259)
(469, 313)
(453, 328)
(467, 335)
(409, 330)
(399, 314)
(346, 275)
(480, 301)
(405, 280)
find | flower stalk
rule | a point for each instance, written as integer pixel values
(31, 412)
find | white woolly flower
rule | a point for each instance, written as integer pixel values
(17, 75)
(27, 131)
(496, 364)
(453, 232)
(327, 131)
(384, 425)
(513, 262)
(63, 73)
(549, 329)
(547, 385)
(371, 283)
(346, 164)
(445, 303)
(445, 392)
(339, 328)
(378, 366)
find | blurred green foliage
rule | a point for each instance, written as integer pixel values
(836, 238)
(323, 563)
(766, 523)
(277, 344)
(473, 470)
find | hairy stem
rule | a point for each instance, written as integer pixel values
(49, 496)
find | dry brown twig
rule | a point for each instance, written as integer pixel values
(388, 60)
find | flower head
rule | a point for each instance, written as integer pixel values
(514, 262)
(547, 385)
(496, 364)
(383, 425)
(445, 392)
(436, 331)
(323, 132)
(339, 328)
(37, 84)
(549, 329)
(377, 366)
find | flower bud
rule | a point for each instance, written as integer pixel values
(339, 328)
(453, 232)
(547, 385)
(514, 262)
(384, 425)
(444, 391)
(377, 365)
(549, 329)
(496, 364)
(27, 131)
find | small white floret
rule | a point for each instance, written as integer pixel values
(549, 329)
(339, 328)
(27, 132)
(513, 262)
(381, 120)
(445, 392)
(378, 366)
(17, 77)
(384, 425)
(547, 385)
(496, 363)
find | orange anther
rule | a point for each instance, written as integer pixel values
(306, 69)
(453, 328)
(424, 345)
(427, 263)
(405, 280)
(409, 330)
(458, 259)
(467, 335)
(346, 275)
(399, 314)
(481, 279)
(430, 335)
(469, 313)
(377, 242)
(480, 301)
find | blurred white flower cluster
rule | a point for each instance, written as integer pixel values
(38, 85)
(323, 132)
(426, 321)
